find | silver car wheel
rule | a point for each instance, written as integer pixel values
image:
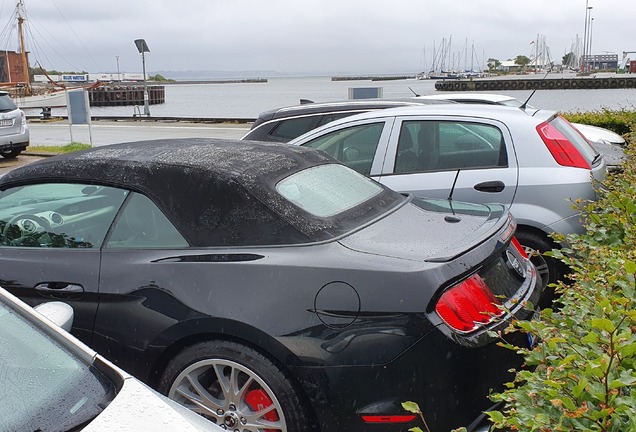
(230, 395)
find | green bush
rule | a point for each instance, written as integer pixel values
(581, 375)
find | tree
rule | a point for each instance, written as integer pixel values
(159, 77)
(493, 63)
(522, 61)
(568, 59)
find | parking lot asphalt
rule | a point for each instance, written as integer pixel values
(8, 164)
(59, 132)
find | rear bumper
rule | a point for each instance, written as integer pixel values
(450, 383)
(15, 141)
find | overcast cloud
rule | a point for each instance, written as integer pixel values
(306, 36)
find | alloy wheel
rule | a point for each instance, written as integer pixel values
(230, 395)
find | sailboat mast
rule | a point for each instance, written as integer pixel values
(25, 64)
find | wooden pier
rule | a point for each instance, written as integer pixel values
(126, 95)
(495, 84)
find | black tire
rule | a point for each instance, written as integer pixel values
(10, 154)
(550, 270)
(258, 381)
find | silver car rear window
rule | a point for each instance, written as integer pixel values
(327, 190)
(6, 104)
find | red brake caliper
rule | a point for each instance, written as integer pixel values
(258, 400)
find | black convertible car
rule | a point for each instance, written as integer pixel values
(268, 287)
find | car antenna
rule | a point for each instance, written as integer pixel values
(413, 91)
(523, 105)
(454, 217)
(306, 101)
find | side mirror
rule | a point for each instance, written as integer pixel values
(61, 314)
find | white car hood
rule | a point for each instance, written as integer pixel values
(138, 408)
(597, 134)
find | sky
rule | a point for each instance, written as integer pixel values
(299, 37)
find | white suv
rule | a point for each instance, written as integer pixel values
(14, 132)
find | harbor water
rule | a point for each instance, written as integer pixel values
(247, 100)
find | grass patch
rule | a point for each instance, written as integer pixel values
(68, 148)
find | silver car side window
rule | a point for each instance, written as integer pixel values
(427, 145)
(354, 146)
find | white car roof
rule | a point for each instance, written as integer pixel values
(488, 97)
(483, 111)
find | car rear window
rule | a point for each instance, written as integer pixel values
(6, 104)
(327, 190)
(575, 137)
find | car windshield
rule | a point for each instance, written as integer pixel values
(44, 386)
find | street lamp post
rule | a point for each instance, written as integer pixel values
(142, 47)
(588, 12)
(118, 76)
(590, 50)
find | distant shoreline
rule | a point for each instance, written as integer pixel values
(233, 81)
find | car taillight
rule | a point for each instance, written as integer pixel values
(563, 151)
(519, 248)
(468, 305)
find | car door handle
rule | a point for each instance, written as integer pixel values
(59, 287)
(490, 186)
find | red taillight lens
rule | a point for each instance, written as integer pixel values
(468, 305)
(562, 150)
(388, 418)
(519, 248)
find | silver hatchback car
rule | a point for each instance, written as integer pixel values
(532, 160)
(14, 132)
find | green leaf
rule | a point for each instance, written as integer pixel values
(623, 381)
(630, 267)
(578, 389)
(603, 324)
(495, 416)
(411, 407)
(628, 350)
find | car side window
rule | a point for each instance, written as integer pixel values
(58, 215)
(142, 225)
(354, 146)
(289, 129)
(426, 145)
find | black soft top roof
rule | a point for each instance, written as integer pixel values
(215, 191)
